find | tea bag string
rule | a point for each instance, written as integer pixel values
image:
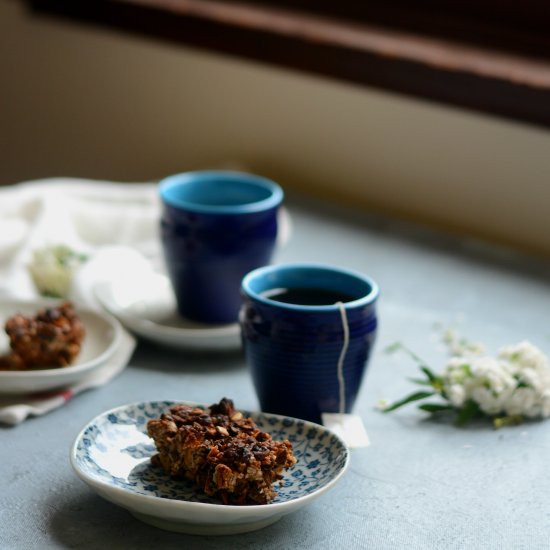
(340, 368)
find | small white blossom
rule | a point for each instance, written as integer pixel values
(460, 347)
(457, 370)
(493, 374)
(456, 395)
(488, 402)
(545, 403)
(382, 404)
(532, 378)
(520, 401)
(525, 355)
(509, 387)
(515, 383)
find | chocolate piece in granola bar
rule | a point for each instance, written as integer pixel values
(51, 338)
(226, 454)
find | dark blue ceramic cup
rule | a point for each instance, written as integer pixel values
(293, 332)
(216, 226)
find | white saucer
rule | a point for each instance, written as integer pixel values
(112, 455)
(102, 337)
(147, 307)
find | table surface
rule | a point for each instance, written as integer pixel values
(420, 484)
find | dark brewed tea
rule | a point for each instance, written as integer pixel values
(308, 296)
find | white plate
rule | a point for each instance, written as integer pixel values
(112, 455)
(101, 340)
(147, 307)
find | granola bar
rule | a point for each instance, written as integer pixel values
(226, 454)
(51, 338)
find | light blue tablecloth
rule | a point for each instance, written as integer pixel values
(420, 485)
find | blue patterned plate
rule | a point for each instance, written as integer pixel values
(112, 452)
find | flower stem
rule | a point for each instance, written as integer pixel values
(503, 421)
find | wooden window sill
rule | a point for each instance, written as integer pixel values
(452, 67)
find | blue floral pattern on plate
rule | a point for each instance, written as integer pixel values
(112, 454)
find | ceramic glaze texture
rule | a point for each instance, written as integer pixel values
(293, 351)
(215, 234)
(207, 257)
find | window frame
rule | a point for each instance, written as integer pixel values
(485, 56)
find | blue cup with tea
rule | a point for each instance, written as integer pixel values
(308, 332)
(216, 226)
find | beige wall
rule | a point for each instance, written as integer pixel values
(82, 102)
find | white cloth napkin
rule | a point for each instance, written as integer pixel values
(114, 224)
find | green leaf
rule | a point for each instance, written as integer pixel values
(433, 378)
(409, 399)
(503, 421)
(413, 355)
(398, 346)
(468, 412)
(420, 381)
(435, 407)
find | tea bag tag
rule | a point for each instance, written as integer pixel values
(349, 427)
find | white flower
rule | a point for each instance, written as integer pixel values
(534, 379)
(488, 402)
(382, 404)
(525, 355)
(515, 383)
(459, 346)
(456, 395)
(521, 402)
(545, 404)
(493, 374)
(457, 370)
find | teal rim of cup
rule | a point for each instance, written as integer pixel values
(168, 184)
(267, 271)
